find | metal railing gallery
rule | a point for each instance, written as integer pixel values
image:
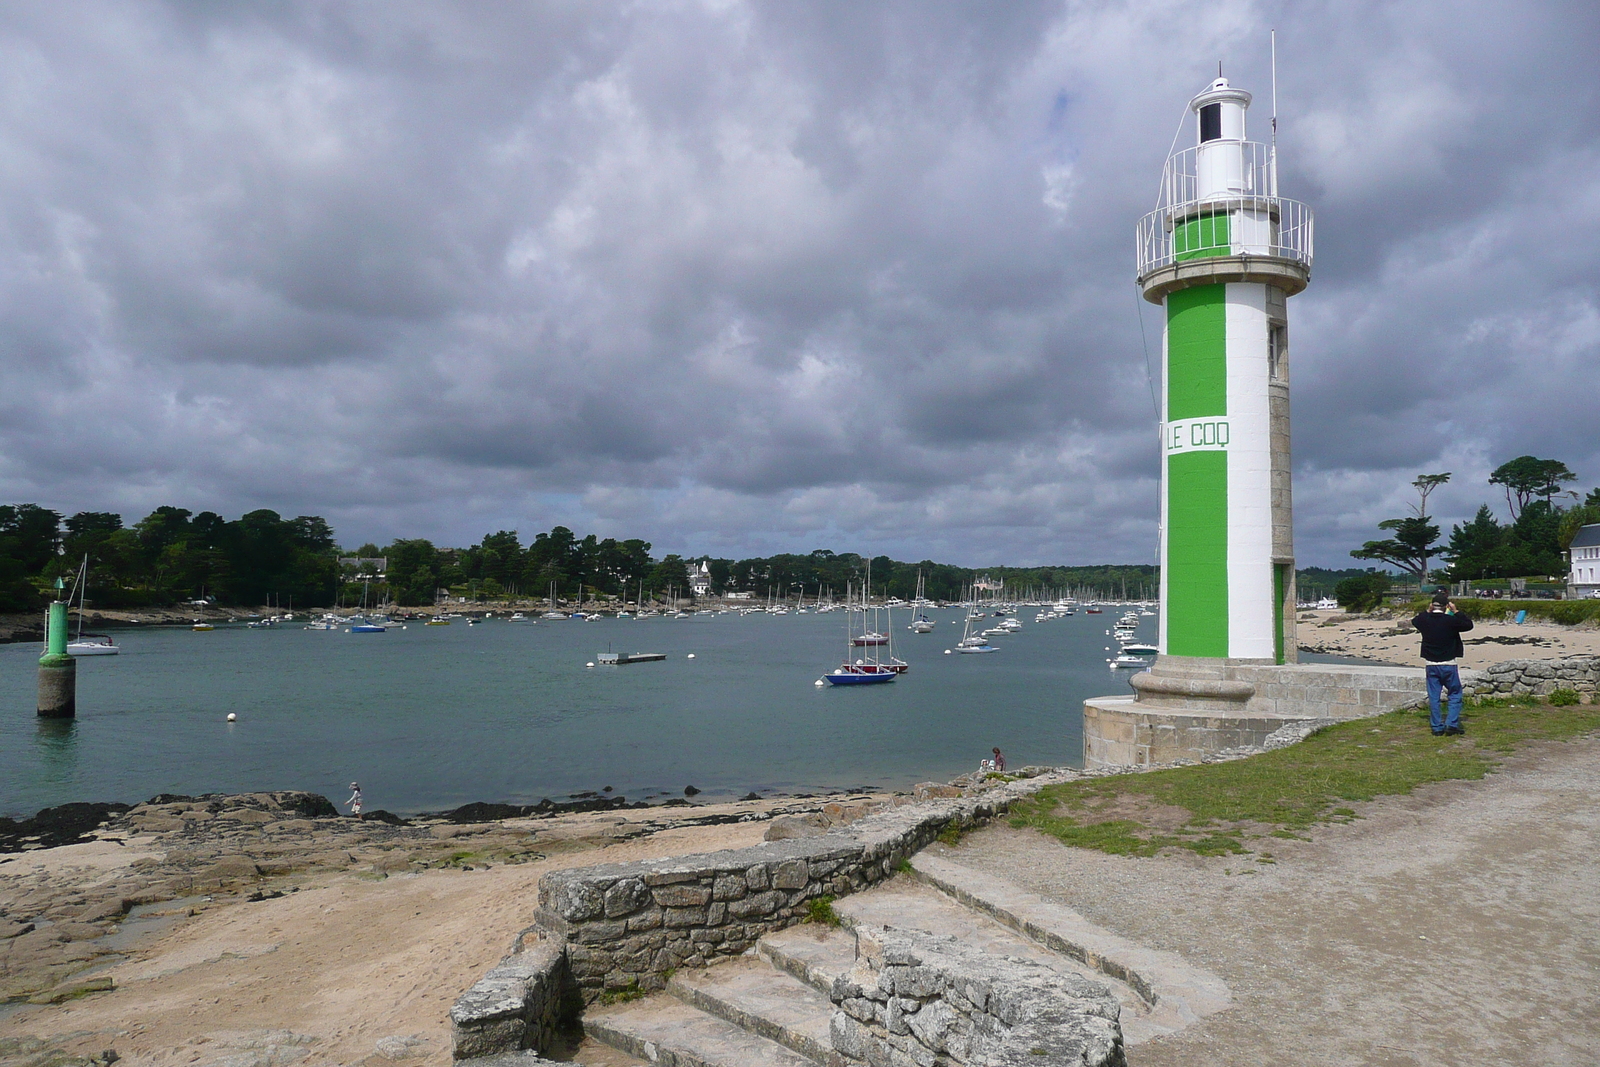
(1239, 173)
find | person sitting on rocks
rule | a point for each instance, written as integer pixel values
(1441, 627)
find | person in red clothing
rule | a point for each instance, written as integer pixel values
(1441, 627)
(999, 760)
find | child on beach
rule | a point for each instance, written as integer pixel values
(355, 799)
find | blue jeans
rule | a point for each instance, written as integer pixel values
(1444, 676)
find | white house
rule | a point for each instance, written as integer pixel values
(700, 578)
(1584, 581)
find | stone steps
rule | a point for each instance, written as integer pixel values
(662, 1029)
(752, 995)
(1161, 992)
(770, 1007)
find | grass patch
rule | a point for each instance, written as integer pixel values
(631, 991)
(821, 911)
(1223, 808)
(951, 834)
(903, 866)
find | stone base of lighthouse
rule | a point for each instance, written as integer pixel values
(1188, 708)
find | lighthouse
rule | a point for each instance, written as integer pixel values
(1221, 255)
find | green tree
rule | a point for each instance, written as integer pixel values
(1362, 593)
(30, 534)
(1526, 477)
(1414, 541)
(414, 567)
(1474, 547)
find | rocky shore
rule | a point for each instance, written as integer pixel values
(80, 883)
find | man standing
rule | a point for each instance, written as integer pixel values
(1441, 628)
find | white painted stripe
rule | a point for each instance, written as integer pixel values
(1161, 560)
(1249, 452)
(1203, 434)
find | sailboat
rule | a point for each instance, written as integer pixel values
(87, 644)
(861, 672)
(970, 642)
(921, 624)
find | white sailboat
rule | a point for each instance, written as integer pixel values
(87, 644)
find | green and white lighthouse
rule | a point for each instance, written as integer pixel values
(1221, 254)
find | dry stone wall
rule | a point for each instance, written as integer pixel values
(624, 926)
(1539, 676)
(915, 1000)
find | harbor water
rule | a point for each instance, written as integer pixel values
(430, 717)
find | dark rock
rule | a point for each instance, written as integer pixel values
(387, 817)
(65, 824)
(690, 791)
(307, 805)
(676, 802)
(752, 795)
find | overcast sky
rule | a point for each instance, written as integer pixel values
(742, 278)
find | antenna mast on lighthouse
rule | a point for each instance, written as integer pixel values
(1272, 153)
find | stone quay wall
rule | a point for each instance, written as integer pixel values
(915, 999)
(1539, 676)
(624, 926)
(522, 1004)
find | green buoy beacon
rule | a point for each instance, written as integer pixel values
(1221, 254)
(58, 671)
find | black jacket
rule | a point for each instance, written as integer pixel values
(1441, 635)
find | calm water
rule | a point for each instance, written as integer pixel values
(429, 717)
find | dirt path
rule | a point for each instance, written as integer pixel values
(1460, 925)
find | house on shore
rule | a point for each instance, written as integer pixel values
(1584, 558)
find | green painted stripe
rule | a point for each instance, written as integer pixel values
(1203, 235)
(1197, 352)
(1197, 482)
(1278, 572)
(1197, 554)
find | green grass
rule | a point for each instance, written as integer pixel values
(821, 911)
(631, 991)
(1227, 808)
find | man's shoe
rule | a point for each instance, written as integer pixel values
(1438, 733)
(1455, 731)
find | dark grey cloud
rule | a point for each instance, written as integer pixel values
(753, 277)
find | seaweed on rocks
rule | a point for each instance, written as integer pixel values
(479, 811)
(65, 824)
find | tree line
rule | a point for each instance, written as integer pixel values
(173, 555)
(1543, 518)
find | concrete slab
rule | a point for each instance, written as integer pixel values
(749, 993)
(664, 1030)
(813, 953)
(916, 905)
(1171, 993)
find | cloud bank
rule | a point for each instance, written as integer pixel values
(754, 277)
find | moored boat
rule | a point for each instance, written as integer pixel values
(92, 645)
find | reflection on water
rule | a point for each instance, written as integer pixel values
(57, 744)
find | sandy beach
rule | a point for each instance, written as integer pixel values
(1389, 638)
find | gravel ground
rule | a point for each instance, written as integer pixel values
(1459, 925)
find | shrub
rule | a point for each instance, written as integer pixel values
(1361, 593)
(1565, 698)
(821, 911)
